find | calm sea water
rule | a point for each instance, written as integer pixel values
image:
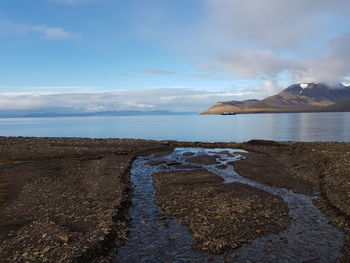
(238, 128)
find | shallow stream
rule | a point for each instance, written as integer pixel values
(308, 236)
(15, 162)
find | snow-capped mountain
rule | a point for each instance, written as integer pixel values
(302, 97)
(320, 92)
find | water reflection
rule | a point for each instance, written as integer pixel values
(282, 127)
(309, 237)
(311, 125)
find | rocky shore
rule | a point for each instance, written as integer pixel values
(306, 167)
(67, 199)
(221, 216)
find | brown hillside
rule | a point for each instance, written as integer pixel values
(312, 97)
(342, 106)
(228, 106)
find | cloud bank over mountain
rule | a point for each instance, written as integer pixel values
(332, 66)
(265, 39)
(274, 33)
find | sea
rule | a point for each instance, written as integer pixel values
(307, 127)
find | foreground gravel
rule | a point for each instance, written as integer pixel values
(221, 216)
(323, 167)
(68, 200)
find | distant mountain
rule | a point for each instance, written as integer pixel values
(342, 106)
(91, 114)
(229, 106)
(310, 97)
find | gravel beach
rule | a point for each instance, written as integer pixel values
(220, 215)
(67, 199)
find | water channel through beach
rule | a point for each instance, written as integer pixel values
(307, 236)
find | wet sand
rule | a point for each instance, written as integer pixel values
(69, 200)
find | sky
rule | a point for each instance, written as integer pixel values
(183, 55)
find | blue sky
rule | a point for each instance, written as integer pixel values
(177, 55)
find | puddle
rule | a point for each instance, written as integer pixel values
(16, 162)
(155, 239)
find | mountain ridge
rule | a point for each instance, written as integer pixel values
(303, 97)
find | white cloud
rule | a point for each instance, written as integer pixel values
(8, 27)
(268, 24)
(258, 39)
(262, 24)
(332, 66)
(173, 99)
(54, 32)
(45, 90)
(247, 63)
(156, 71)
(272, 22)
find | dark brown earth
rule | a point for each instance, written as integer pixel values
(69, 201)
(186, 166)
(188, 153)
(264, 168)
(220, 215)
(321, 166)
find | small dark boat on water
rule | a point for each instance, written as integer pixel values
(228, 113)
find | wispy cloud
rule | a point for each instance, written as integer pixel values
(207, 76)
(8, 27)
(271, 22)
(45, 90)
(247, 63)
(54, 32)
(156, 71)
(260, 39)
(174, 99)
(331, 66)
